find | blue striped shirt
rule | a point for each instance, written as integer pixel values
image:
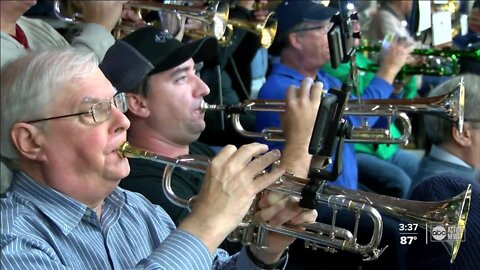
(42, 228)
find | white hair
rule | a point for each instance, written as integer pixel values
(438, 129)
(30, 84)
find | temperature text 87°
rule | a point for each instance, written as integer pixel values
(407, 239)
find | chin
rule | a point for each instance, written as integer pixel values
(120, 170)
(30, 3)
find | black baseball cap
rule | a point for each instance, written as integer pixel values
(150, 50)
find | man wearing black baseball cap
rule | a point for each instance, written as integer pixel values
(302, 44)
(164, 96)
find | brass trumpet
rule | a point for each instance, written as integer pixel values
(215, 16)
(449, 105)
(452, 212)
(265, 30)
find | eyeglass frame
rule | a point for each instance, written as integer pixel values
(324, 26)
(122, 106)
(472, 120)
(475, 122)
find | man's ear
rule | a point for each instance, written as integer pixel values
(137, 105)
(28, 140)
(463, 139)
(294, 40)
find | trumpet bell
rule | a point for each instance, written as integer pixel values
(214, 18)
(449, 105)
(265, 29)
(428, 215)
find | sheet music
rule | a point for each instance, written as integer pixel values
(441, 27)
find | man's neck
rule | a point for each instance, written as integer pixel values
(458, 153)
(8, 22)
(90, 194)
(294, 61)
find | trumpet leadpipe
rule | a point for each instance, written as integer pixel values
(190, 162)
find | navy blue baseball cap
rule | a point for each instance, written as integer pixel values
(293, 12)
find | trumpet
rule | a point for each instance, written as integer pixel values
(451, 212)
(265, 30)
(215, 16)
(449, 105)
(363, 134)
(445, 52)
(438, 62)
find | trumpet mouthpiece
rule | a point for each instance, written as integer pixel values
(204, 106)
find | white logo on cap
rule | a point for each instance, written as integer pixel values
(163, 36)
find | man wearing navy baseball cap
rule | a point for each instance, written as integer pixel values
(302, 45)
(293, 13)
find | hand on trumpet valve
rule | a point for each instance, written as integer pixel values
(394, 58)
(257, 8)
(191, 24)
(231, 183)
(301, 111)
(128, 14)
(277, 209)
(105, 13)
(260, 14)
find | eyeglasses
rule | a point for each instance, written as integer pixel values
(325, 28)
(99, 111)
(472, 120)
(474, 123)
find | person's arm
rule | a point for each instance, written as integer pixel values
(392, 61)
(297, 123)
(180, 251)
(100, 18)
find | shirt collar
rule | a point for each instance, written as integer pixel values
(322, 76)
(286, 71)
(64, 211)
(442, 154)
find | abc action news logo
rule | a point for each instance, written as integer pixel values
(445, 233)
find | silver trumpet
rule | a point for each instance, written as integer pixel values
(363, 134)
(449, 105)
(329, 237)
